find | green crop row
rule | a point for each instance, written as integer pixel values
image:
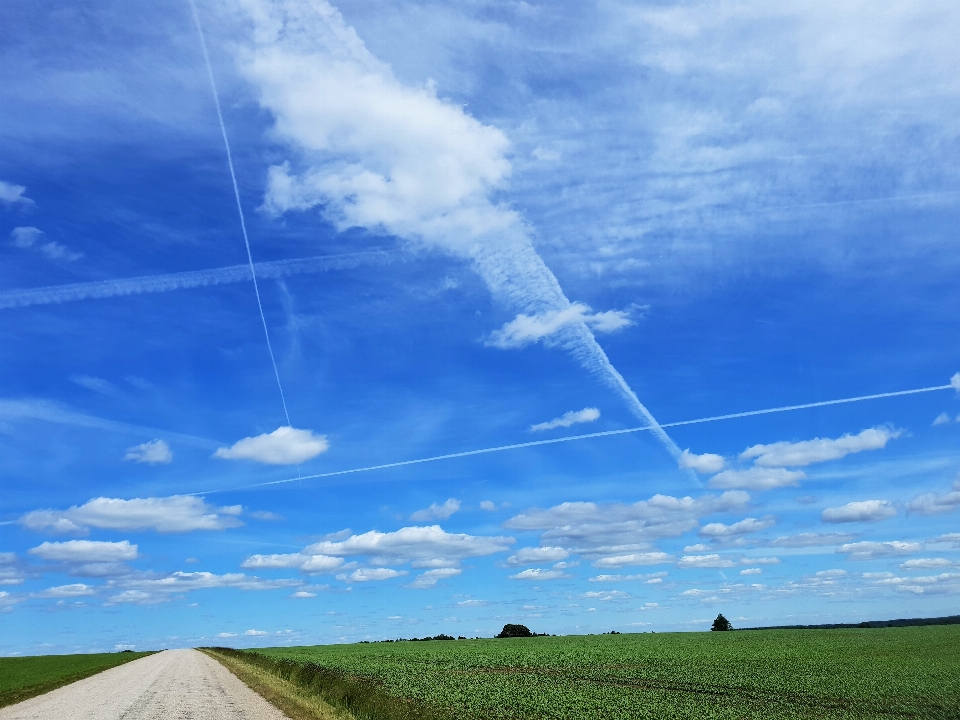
(911, 672)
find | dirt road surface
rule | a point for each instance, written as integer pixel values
(171, 685)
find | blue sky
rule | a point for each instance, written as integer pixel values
(473, 226)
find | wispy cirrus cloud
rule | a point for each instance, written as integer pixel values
(569, 418)
(284, 446)
(31, 238)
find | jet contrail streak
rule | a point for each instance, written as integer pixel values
(236, 194)
(604, 433)
(169, 282)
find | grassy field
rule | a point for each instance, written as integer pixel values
(911, 672)
(25, 677)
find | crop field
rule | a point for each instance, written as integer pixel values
(911, 672)
(25, 677)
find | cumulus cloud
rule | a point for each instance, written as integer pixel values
(536, 555)
(148, 590)
(303, 594)
(757, 478)
(85, 551)
(645, 558)
(807, 452)
(436, 512)
(705, 561)
(255, 633)
(934, 503)
(706, 463)
(860, 511)
(153, 452)
(539, 574)
(373, 574)
(11, 194)
(284, 446)
(67, 591)
(751, 571)
(176, 513)
(648, 578)
(430, 577)
(29, 238)
(747, 525)
(488, 505)
(925, 563)
(811, 539)
(569, 418)
(526, 329)
(867, 550)
(420, 547)
(942, 419)
(617, 528)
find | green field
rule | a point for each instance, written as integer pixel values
(25, 677)
(869, 673)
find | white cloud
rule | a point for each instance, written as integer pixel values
(11, 194)
(698, 548)
(942, 419)
(526, 329)
(428, 546)
(226, 635)
(176, 513)
(28, 238)
(68, 591)
(374, 574)
(760, 561)
(436, 512)
(539, 574)
(96, 384)
(284, 446)
(302, 594)
(860, 511)
(807, 452)
(648, 578)
(153, 452)
(645, 558)
(255, 633)
(757, 478)
(308, 563)
(571, 417)
(867, 550)
(536, 555)
(85, 551)
(925, 563)
(488, 505)
(705, 561)
(950, 538)
(706, 463)
(935, 504)
(620, 529)
(472, 603)
(751, 571)
(955, 381)
(811, 539)
(747, 525)
(160, 589)
(430, 577)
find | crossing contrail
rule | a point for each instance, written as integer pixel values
(587, 436)
(55, 294)
(236, 195)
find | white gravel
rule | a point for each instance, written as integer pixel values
(171, 685)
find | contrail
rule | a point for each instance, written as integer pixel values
(586, 436)
(169, 282)
(236, 194)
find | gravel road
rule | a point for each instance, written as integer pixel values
(171, 685)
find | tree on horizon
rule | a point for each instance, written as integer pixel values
(721, 623)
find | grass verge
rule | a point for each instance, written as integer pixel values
(306, 691)
(22, 678)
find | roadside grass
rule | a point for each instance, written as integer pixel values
(22, 678)
(306, 691)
